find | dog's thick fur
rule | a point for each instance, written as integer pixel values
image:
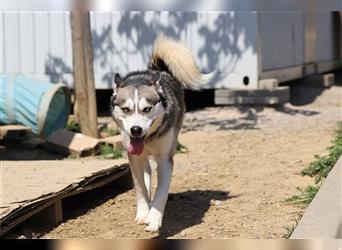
(153, 100)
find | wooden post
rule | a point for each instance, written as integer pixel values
(85, 95)
(340, 42)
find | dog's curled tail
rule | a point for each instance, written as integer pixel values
(172, 56)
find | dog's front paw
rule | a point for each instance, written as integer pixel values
(153, 220)
(141, 216)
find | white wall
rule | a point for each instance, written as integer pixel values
(39, 43)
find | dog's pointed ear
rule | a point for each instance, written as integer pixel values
(117, 80)
(116, 84)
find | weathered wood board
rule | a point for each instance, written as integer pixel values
(65, 141)
(27, 187)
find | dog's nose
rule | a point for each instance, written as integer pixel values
(136, 131)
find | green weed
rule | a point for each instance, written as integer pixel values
(109, 131)
(73, 126)
(305, 197)
(108, 152)
(289, 230)
(181, 149)
(321, 167)
(73, 155)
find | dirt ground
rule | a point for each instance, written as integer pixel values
(241, 165)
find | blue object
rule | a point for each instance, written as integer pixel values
(44, 107)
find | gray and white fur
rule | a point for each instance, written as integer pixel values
(148, 107)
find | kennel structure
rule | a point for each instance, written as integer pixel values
(243, 47)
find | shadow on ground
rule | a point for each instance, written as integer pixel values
(187, 209)
(26, 151)
(301, 95)
(250, 117)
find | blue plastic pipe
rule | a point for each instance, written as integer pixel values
(44, 107)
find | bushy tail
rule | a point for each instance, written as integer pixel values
(172, 56)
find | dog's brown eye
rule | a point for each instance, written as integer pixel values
(125, 110)
(147, 109)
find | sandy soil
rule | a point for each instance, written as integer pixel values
(242, 163)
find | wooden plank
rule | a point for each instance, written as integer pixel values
(98, 184)
(58, 211)
(42, 179)
(65, 141)
(5, 227)
(51, 210)
(51, 215)
(48, 209)
(13, 132)
(86, 112)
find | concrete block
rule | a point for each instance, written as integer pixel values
(270, 83)
(322, 80)
(258, 96)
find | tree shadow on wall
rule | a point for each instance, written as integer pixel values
(216, 36)
(224, 35)
(56, 69)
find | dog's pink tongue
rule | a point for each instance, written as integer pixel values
(136, 146)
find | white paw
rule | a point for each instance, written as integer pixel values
(152, 228)
(141, 216)
(153, 220)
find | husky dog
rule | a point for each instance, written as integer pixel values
(148, 107)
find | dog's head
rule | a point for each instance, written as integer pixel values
(138, 106)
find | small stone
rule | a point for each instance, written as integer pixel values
(183, 233)
(217, 203)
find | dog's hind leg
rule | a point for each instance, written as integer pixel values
(147, 179)
(138, 165)
(164, 172)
